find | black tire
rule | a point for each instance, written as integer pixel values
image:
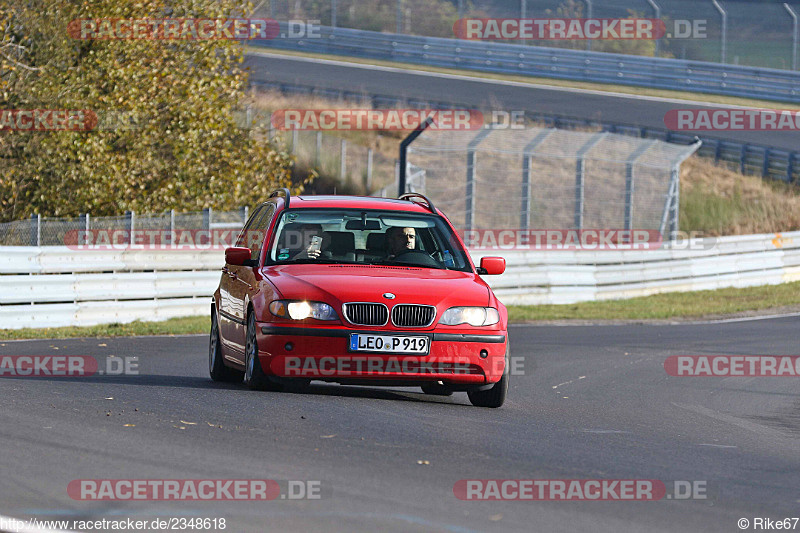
(494, 397)
(216, 366)
(435, 389)
(254, 376)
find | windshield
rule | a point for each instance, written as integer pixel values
(369, 237)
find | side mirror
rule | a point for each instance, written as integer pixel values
(493, 265)
(237, 256)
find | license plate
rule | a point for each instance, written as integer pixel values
(362, 342)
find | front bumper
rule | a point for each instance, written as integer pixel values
(322, 353)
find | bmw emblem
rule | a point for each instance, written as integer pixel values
(388, 295)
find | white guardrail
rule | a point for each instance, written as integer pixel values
(56, 286)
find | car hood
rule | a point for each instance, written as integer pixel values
(355, 283)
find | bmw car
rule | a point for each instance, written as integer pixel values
(358, 291)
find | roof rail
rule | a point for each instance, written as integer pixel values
(286, 195)
(409, 195)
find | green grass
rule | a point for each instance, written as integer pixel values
(662, 306)
(173, 326)
(697, 304)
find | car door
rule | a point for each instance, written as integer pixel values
(242, 280)
(229, 312)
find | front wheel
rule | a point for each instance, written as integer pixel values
(254, 376)
(494, 397)
(216, 367)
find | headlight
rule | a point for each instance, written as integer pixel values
(300, 309)
(474, 316)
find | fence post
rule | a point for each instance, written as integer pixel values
(130, 225)
(469, 218)
(580, 169)
(343, 160)
(35, 235)
(399, 21)
(207, 218)
(333, 13)
(657, 10)
(369, 169)
(793, 14)
(676, 201)
(294, 141)
(724, 37)
(629, 181)
(527, 158)
(790, 168)
(765, 167)
(318, 149)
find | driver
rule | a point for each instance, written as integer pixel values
(400, 240)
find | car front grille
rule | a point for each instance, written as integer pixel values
(366, 314)
(413, 315)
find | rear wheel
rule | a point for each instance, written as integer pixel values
(216, 366)
(494, 397)
(254, 376)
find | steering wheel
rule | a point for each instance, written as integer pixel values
(417, 257)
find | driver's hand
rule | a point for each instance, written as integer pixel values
(312, 252)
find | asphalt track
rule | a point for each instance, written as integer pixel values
(486, 93)
(593, 402)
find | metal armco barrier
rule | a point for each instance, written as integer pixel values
(559, 63)
(56, 286)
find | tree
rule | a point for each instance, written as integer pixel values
(178, 146)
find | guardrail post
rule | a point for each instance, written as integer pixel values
(580, 177)
(790, 168)
(742, 159)
(469, 217)
(765, 166)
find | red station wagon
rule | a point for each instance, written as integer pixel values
(358, 291)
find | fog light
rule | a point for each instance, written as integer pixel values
(289, 346)
(484, 354)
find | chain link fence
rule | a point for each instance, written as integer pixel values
(548, 178)
(50, 231)
(760, 34)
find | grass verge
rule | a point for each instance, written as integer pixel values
(716, 303)
(173, 326)
(700, 304)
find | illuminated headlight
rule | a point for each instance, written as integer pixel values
(299, 310)
(474, 316)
